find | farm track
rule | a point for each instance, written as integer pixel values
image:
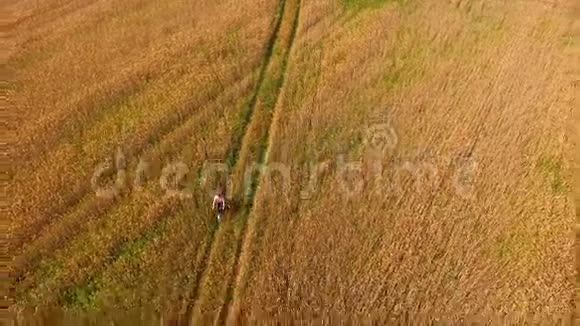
(226, 308)
(233, 154)
(258, 119)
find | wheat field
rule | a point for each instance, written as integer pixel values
(387, 161)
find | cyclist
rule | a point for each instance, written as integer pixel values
(219, 203)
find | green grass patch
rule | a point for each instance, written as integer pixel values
(48, 268)
(238, 131)
(518, 243)
(372, 4)
(132, 250)
(270, 90)
(551, 168)
(405, 65)
(82, 297)
(392, 78)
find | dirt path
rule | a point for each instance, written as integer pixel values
(293, 15)
(212, 294)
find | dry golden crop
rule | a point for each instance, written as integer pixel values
(573, 51)
(164, 82)
(468, 215)
(386, 160)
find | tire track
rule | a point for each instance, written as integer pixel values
(233, 155)
(214, 292)
(232, 284)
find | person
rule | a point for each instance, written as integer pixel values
(219, 202)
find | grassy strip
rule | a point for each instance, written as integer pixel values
(303, 89)
(246, 116)
(233, 151)
(364, 4)
(232, 157)
(263, 157)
